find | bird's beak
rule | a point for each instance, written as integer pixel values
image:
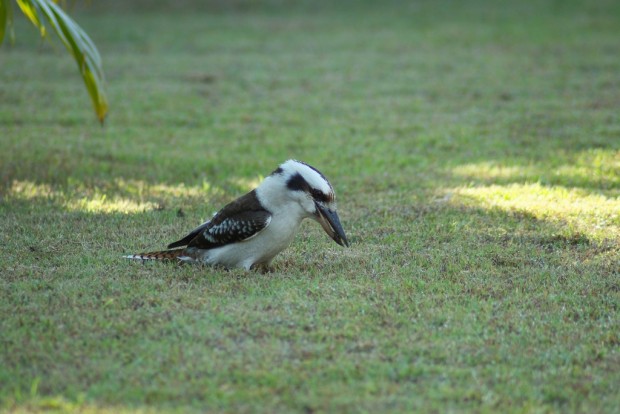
(331, 224)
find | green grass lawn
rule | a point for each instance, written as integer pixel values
(475, 151)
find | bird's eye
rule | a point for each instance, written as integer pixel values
(318, 195)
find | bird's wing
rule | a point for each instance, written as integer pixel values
(240, 220)
(232, 229)
(185, 240)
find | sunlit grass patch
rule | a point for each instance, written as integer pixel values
(72, 200)
(593, 169)
(594, 215)
(490, 170)
(598, 168)
(100, 203)
(118, 196)
(28, 190)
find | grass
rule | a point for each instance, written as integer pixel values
(474, 147)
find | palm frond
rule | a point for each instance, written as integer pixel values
(78, 43)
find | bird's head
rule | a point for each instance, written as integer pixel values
(308, 187)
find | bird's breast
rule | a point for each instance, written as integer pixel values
(280, 232)
(260, 249)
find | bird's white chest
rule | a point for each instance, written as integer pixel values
(260, 249)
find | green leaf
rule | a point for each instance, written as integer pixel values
(78, 43)
(30, 10)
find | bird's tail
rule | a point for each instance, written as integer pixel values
(166, 255)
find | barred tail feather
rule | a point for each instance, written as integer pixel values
(175, 254)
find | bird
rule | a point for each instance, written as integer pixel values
(251, 230)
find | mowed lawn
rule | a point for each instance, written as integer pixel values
(475, 151)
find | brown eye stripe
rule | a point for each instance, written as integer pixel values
(320, 196)
(298, 183)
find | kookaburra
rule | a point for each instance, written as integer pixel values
(250, 231)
